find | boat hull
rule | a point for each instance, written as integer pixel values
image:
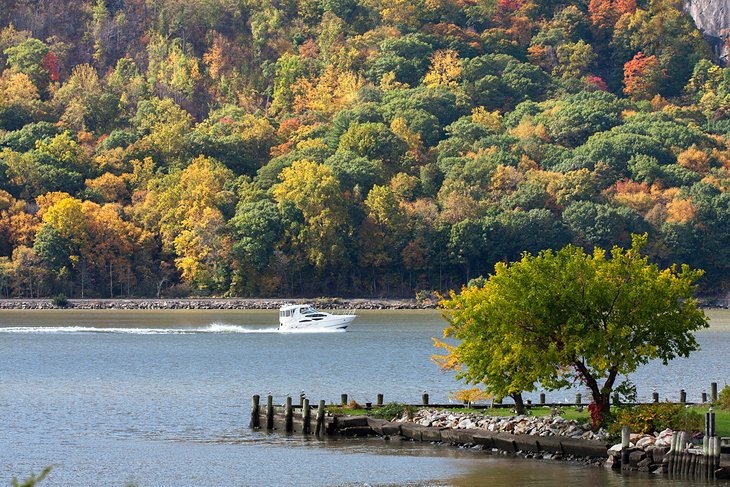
(332, 322)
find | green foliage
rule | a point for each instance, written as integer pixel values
(548, 318)
(531, 143)
(650, 418)
(60, 300)
(723, 399)
(392, 410)
(33, 480)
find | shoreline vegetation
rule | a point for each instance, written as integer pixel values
(216, 303)
(252, 303)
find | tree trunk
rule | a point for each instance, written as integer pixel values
(601, 395)
(519, 403)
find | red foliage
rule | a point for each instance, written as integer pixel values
(625, 6)
(287, 127)
(596, 415)
(508, 7)
(602, 14)
(50, 64)
(597, 81)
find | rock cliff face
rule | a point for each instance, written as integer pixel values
(713, 19)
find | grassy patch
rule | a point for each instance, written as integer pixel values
(722, 420)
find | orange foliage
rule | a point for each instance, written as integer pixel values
(681, 210)
(641, 76)
(694, 159)
(110, 187)
(633, 195)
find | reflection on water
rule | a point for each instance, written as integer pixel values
(161, 398)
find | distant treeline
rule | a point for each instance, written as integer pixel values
(351, 147)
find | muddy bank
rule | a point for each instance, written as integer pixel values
(215, 303)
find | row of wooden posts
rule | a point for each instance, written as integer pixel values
(425, 400)
(307, 408)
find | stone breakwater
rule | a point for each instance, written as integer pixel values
(647, 452)
(215, 304)
(516, 425)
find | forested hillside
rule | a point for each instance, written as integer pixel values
(353, 147)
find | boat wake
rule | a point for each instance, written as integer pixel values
(220, 328)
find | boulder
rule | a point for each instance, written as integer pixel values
(391, 428)
(376, 425)
(412, 430)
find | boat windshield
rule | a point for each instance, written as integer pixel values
(308, 311)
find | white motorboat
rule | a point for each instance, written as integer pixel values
(304, 316)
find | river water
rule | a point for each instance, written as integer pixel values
(161, 398)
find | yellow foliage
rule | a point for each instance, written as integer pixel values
(505, 179)
(481, 116)
(412, 139)
(47, 200)
(67, 217)
(448, 361)
(388, 82)
(526, 130)
(471, 395)
(330, 93)
(445, 70)
(16, 89)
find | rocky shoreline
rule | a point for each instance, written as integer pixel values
(215, 304)
(517, 425)
(646, 452)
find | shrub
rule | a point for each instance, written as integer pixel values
(60, 300)
(723, 399)
(353, 405)
(648, 418)
(393, 410)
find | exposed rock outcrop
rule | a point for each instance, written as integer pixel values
(712, 17)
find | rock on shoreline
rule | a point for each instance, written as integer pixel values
(517, 425)
(215, 304)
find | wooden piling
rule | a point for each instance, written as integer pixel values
(301, 400)
(615, 398)
(269, 412)
(713, 391)
(654, 397)
(682, 397)
(288, 416)
(254, 424)
(625, 454)
(343, 399)
(319, 430)
(672, 453)
(578, 398)
(379, 400)
(704, 464)
(704, 398)
(424, 399)
(542, 398)
(682, 453)
(306, 416)
(709, 424)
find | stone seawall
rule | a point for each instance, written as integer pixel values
(215, 303)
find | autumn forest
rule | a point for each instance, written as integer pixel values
(350, 147)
